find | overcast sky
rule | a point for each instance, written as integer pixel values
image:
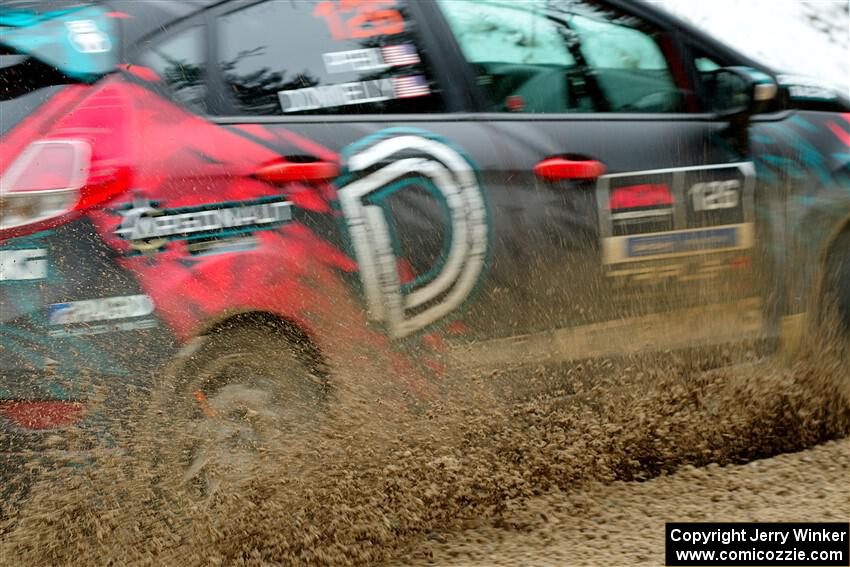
(778, 32)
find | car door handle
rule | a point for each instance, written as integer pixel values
(286, 171)
(555, 168)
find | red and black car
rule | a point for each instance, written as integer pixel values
(259, 193)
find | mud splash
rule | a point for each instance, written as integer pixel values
(372, 481)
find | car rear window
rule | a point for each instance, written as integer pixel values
(25, 84)
(180, 61)
(325, 58)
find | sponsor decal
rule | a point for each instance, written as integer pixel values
(397, 160)
(149, 228)
(374, 59)
(354, 60)
(681, 242)
(86, 37)
(23, 264)
(312, 98)
(692, 210)
(104, 309)
(235, 244)
(102, 329)
(358, 92)
(664, 245)
(635, 205)
(675, 243)
(75, 318)
(641, 196)
(679, 271)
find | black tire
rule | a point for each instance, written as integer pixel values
(245, 391)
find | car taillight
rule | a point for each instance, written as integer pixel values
(44, 182)
(79, 160)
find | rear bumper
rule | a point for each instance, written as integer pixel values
(78, 341)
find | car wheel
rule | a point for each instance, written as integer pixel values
(244, 393)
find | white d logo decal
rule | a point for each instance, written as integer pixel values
(454, 177)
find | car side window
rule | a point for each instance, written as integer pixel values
(563, 56)
(331, 57)
(180, 62)
(706, 65)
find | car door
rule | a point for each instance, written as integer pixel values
(396, 184)
(420, 186)
(634, 201)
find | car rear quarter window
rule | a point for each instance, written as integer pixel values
(330, 57)
(25, 84)
(563, 56)
(180, 62)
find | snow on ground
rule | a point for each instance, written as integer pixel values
(779, 32)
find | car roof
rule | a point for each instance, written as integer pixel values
(141, 19)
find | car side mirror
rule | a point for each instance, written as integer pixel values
(737, 93)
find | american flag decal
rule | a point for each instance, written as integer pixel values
(397, 55)
(408, 87)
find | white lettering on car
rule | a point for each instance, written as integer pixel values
(343, 94)
(148, 228)
(354, 60)
(88, 310)
(359, 92)
(23, 264)
(85, 36)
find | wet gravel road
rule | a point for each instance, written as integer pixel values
(622, 523)
(583, 467)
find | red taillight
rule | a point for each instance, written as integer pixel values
(80, 160)
(44, 182)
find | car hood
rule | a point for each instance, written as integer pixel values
(802, 89)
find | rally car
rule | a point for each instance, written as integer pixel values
(256, 194)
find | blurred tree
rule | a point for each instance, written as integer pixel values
(831, 19)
